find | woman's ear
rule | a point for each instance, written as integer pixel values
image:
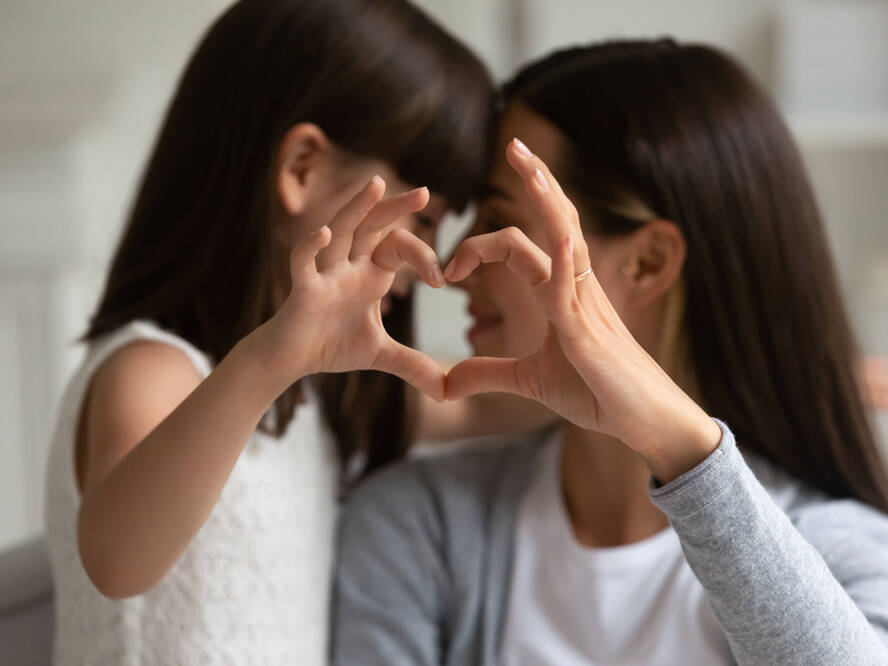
(656, 259)
(299, 157)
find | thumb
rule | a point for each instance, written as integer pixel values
(482, 374)
(413, 367)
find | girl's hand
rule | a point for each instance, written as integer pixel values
(590, 369)
(331, 321)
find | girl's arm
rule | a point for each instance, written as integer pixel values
(158, 444)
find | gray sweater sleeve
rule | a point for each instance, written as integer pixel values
(390, 579)
(805, 587)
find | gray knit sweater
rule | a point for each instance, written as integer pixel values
(794, 577)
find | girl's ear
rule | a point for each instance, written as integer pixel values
(302, 150)
(656, 259)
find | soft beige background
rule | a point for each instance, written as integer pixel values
(82, 87)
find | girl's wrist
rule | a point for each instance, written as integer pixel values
(272, 369)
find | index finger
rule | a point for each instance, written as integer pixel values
(347, 220)
(383, 215)
(549, 199)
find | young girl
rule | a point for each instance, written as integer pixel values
(689, 278)
(192, 482)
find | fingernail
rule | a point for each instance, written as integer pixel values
(451, 267)
(541, 179)
(376, 179)
(437, 277)
(519, 144)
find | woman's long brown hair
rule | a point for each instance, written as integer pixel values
(381, 80)
(683, 130)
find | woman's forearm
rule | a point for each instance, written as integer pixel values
(135, 524)
(774, 595)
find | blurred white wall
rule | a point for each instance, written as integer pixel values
(82, 87)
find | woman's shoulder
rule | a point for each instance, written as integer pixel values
(443, 491)
(471, 469)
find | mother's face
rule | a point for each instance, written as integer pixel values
(507, 319)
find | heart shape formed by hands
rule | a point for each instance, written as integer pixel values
(341, 271)
(590, 369)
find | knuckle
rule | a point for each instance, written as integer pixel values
(470, 244)
(572, 212)
(465, 249)
(513, 234)
(401, 235)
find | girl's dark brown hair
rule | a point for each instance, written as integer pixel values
(681, 132)
(382, 80)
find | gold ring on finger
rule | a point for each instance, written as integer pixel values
(582, 276)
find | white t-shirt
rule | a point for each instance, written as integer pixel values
(638, 604)
(251, 588)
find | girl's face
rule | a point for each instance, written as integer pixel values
(507, 319)
(318, 184)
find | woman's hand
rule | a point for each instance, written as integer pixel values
(331, 320)
(589, 369)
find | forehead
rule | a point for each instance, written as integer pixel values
(539, 134)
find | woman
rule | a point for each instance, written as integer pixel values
(192, 482)
(691, 279)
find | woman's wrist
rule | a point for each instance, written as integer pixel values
(684, 445)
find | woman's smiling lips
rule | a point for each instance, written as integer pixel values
(484, 322)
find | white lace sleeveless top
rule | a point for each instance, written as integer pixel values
(252, 588)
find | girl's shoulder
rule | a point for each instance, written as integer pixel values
(140, 330)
